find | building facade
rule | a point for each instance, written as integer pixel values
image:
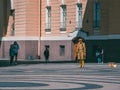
(55, 24)
(101, 21)
(23, 26)
(60, 18)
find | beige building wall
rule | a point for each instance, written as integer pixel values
(56, 37)
(29, 30)
(20, 17)
(55, 16)
(26, 31)
(27, 15)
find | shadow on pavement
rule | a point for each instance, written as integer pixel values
(4, 63)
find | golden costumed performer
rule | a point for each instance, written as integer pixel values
(81, 52)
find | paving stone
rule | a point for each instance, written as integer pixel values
(63, 76)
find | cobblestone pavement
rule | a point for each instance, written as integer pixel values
(63, 76)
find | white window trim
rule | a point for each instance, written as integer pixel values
(77, 17)
(48, 32)
(12, 4)
(79, 1)
(48, 19)
(48, 2)
(62, 1)
(46, 15)
(62, 31)
(62, 18)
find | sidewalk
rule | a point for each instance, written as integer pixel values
(5, 61)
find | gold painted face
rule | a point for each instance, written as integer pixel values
(80, 40)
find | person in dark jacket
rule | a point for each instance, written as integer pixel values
(98, 56)
(16, 48)
(46, 54)
(11, 54)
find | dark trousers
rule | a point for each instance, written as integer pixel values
(16, 54)
(46, 58)
(11, 60)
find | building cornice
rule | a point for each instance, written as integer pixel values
(55, 38)
(103, 37)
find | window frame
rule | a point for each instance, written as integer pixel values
(48, 19)
(63, 17)
(79, 15)
(62, 50)
(96, 15)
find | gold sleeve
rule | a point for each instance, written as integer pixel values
(84, 47)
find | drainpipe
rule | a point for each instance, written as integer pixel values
(39, 31)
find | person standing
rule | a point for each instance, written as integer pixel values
(81, 52)
(98, 56)
(46, 54)
(11, 54)
(16, 48)
(75, 53)
(102, 55)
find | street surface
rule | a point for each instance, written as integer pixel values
(60, 76)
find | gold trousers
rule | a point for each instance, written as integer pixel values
(81, 62)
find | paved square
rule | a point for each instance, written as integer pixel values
(60, 76)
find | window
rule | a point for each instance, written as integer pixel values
(96, 17)
(63, 18)
(48, 18)
(62, 50)
(79, 15)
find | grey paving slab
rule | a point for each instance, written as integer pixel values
(63, 76)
